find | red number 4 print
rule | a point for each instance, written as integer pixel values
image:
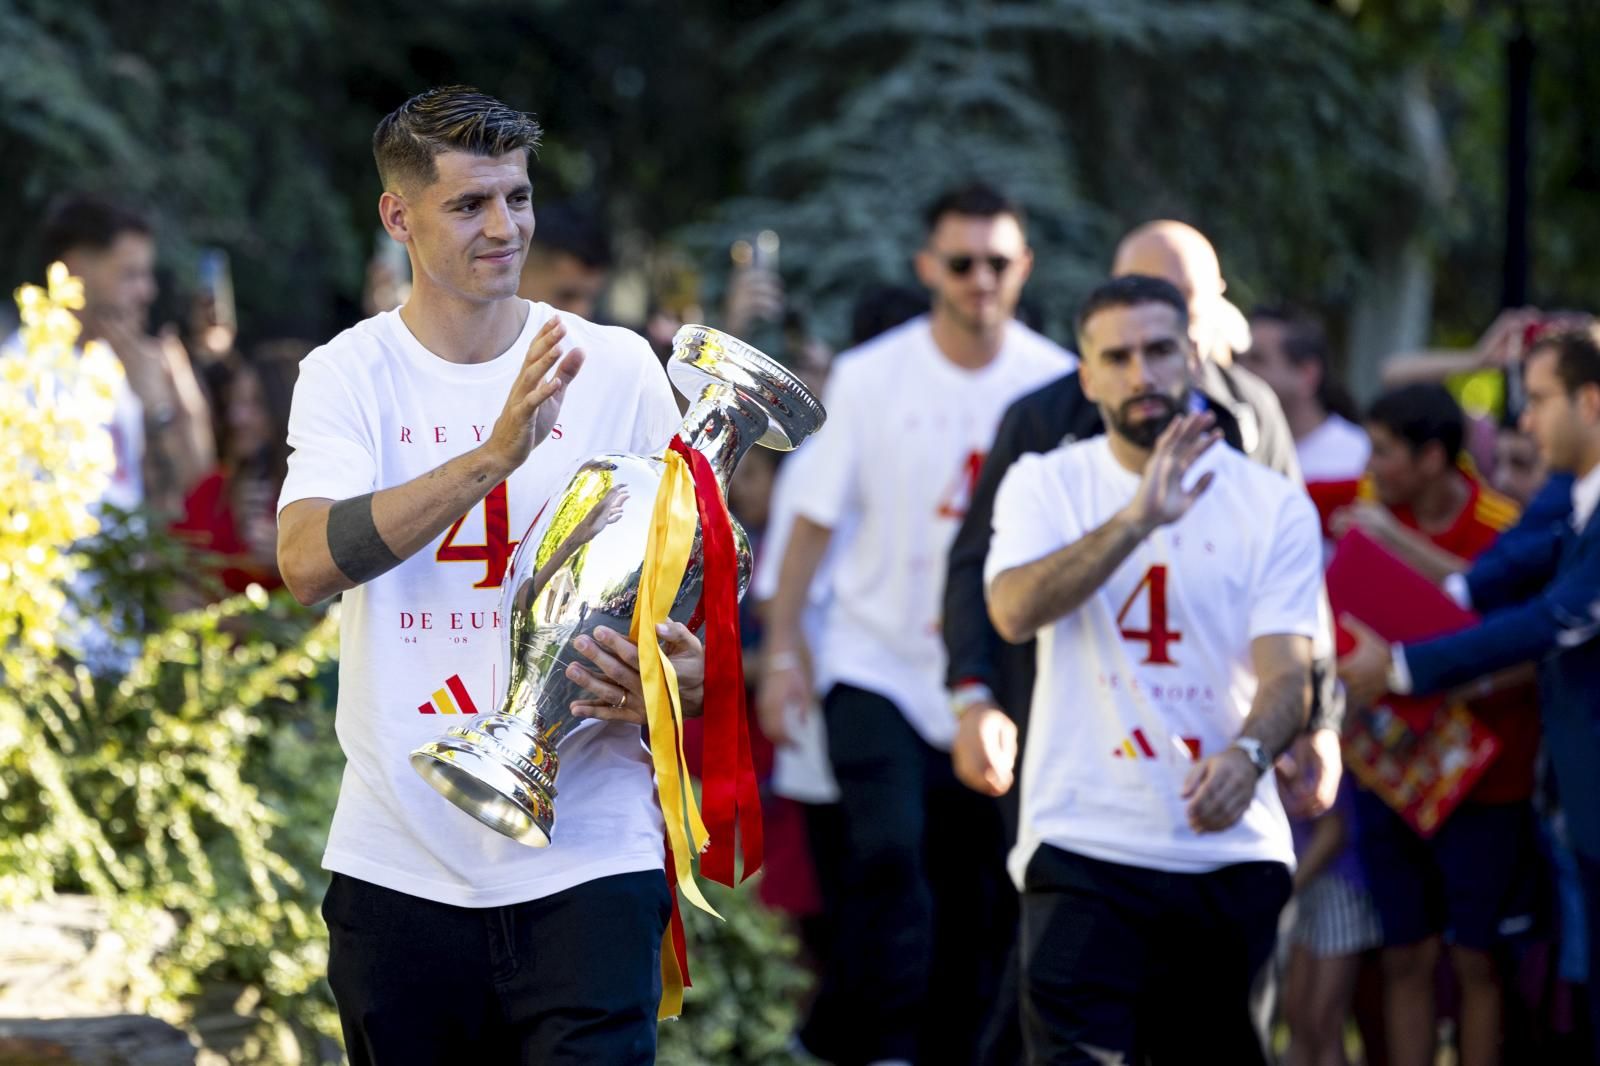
(495, 551)
(1155, 634)
(957, 497)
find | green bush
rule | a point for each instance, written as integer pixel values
(200, 782)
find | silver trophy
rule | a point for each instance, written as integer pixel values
(579, 567)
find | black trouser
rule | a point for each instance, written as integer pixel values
(1589, 875)
(571, 978)
(923, 916)
(1121, 963)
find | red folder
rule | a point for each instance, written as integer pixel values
(1420, 755)
(1365, 580)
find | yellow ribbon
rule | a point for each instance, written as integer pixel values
(666, 557)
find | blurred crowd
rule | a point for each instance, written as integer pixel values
(1438, 899)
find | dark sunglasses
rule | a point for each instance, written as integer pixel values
(961, 265)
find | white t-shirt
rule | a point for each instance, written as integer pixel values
(906, 435)
(125, 490)
(373, 409)
(800, 769)
(1337, 450)
(1153, 671)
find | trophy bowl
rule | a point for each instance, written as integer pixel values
(579, 568)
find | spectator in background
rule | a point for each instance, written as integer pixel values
(232, 512)
(161, 430)
(1538, 606)
(1499, 350)
(1470, 886)
(1334, 925)
(1289, 351)
(911, 414)
(1519, 469)
(569, 261)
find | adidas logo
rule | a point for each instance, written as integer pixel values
(1137, 746)
(1128, 750)
(452, 699)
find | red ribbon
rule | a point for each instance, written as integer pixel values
(729, 796)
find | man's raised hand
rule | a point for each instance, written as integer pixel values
(1162, 499)
(534, 402)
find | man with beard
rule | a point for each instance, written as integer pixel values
(991, 682)
(1174, 588)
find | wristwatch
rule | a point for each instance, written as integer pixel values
(1258, 755)
(967, 695)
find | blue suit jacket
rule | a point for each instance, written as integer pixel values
(1539, 591)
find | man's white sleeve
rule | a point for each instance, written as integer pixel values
(1288, 587)
(334, 455)
(832, 485)
(1026, 526)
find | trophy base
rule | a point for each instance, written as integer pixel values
(500, 771)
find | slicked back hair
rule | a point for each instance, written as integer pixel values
(1131, 290)
(450, 118)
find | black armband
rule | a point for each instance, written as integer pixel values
(353, 540)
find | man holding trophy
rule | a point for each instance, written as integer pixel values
(425, 441)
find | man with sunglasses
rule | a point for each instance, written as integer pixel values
(910, 417)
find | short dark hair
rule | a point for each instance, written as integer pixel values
(1130, 290)
(1421, 414)
(573, 231)
(1577, 356)
(450, 118)
(976, 199)
(1305, 342)
(81, 221)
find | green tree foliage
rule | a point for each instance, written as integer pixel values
(248, 126)
(1266, 124)
(1458, 48)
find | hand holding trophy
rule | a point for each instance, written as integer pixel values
(633, 542)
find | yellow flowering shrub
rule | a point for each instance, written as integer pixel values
(197, 782)
(55, 460)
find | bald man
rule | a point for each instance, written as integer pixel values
(1178, 253)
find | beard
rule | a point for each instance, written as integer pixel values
(1143, 432)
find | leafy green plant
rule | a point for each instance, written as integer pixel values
(199, 784)
(196, 784)
(744, 1003)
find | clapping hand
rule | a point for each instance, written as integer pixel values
(1161, 498)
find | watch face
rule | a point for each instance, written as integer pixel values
(1255, 752)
